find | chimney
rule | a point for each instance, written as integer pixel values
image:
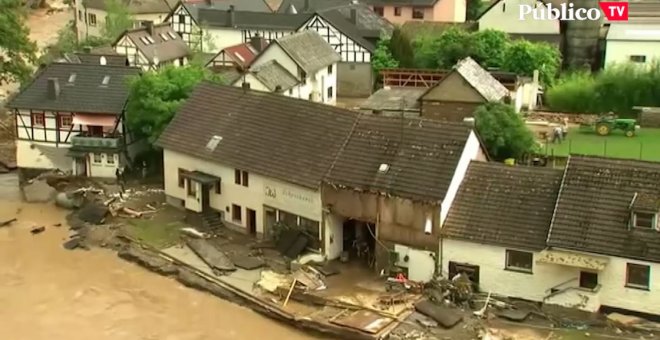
(87, 49)
(306, 6)
(231, 16)
(53, 88)
(354, 16)
(150, 27)
(257, 42)
(245, 86)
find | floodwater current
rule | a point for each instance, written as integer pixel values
(47, 292)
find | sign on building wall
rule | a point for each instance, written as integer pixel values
(285, 195)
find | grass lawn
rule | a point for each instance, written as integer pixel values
(644, 145)
(157, 234)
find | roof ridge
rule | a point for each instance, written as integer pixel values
(554, 211)
(358, 118)
(94, 65)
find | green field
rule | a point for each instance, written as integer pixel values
(644, 145)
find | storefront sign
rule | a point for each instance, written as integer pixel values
(279, 193)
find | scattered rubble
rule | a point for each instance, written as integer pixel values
(213, 257)
(37, 230)
(39, 191)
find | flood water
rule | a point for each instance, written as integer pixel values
(47, 292)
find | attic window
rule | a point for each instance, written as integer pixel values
(105, 81)
(645, 220)
(171, 35)
(144, 40)
(72, 78)
(213, 143)
(151, 40)
(240, 57)
(163, 36)
(383, 168)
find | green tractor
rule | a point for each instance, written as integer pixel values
(604, 125)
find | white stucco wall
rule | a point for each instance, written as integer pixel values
(104, 168)
(334, 235)
(470, 152)
(41, 155)
(620, 51)
(290, 198)
(321, 81)
(421, 263)
(493, 277)
(222, 38)
(505, 16)
(84, 29)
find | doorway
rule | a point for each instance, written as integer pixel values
(359, 241)
(471, 271)
(95, 131)
(270, 218)
(251, 221)
(81, 166)
(206, 206)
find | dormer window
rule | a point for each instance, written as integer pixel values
(645, 220)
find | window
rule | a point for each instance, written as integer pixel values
(291, 92)
(638, 58)
(98, 158)
(241, 177)
(237, 176)
(172, 36)
(245, 178)
(588, 280)
(330, 69)
(288, 219)
(519, 261)
(330, 92)
(397, 11)
(110, 158)
(379, 10)
(218, 188)
(236, 212)
(637, 276)
(38, 119)
(182, 180)
(192, 188)
(644, 220)
(92, 19)
(311, 228)
(80, 15)
(66, 121)
(182, 18)
(418, 13)
(164, 37)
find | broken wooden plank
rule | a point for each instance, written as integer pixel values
(7, 222)
(211, 255)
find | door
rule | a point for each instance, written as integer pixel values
(470, 270)
(251, 221)
(81, 166)
(95, 131)
(205, 197)
(270, 218)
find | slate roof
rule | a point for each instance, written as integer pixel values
(244, 19)
(94, 58)
(341, 23)
(593, 208)
(272, 74)
(508, 206)
(239, 5)
(85, 94)
(634, 32)
(481, 80)
(309, 50)
(167, 44)
(136, 6)
(392, 99)
(289, 139)
(422, 156)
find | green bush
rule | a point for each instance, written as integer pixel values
(616, 89)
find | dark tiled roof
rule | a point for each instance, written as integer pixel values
(504, 205)
(239, 5)
(269, 134)
(593, 208)
(394, 99)
(85, 94)
(341, 23)
(421, 154)
(244, 19)
(309, 50)
(167, 44)
(272, 75)
(110, 59)
(136, 6)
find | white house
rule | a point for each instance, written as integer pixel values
(90, 14)
(299, 65)
(632, 42)
(152, 46)
(71, 118)
(504, 15)
(293, 165)
(586, 237)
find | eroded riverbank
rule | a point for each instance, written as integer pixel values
(48, 292)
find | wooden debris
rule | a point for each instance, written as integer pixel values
(109, 201)
(288, 296)
(194, 232)
(37, 230)
(151, 207)
(8, 222)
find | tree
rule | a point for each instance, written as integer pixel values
(503, 131)
(118, 20)
(67, 42)
(382, 57)
(18, 52)
(523, 57)
(453, 45)
(490, 46)
(155, 96)
(474, 9)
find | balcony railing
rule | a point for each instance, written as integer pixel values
(109, 142)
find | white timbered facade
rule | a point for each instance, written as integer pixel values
(151, 47)
(185, 25)
(126, 46)
(349, 50)
(267, 35)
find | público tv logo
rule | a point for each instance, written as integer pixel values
(614, 11)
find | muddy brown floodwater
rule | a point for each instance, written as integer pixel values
(47, 292)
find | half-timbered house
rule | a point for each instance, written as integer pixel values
(239, 56)
(70, 117)
(305, 56)
(152, 46)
